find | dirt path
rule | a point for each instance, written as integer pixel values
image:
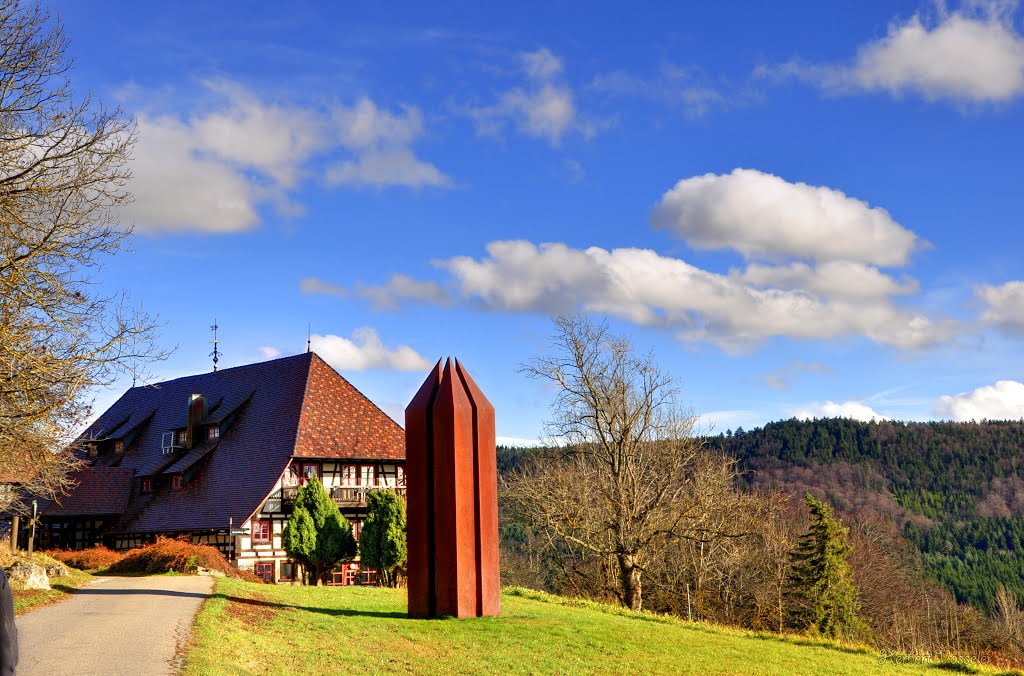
(116, 625)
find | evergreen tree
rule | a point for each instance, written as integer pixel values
(382, 543)
(317, 536)
(822, 596)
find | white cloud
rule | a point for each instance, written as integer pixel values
(832, 278)
(312, 286)
(380, 141)
(178, 189)
(380, 169)
(1002, 401)
(543, 108)
(401, 288)
(830, 409)
(365, 350)
(685, 87)
(780, 378)
(643, 287)
(973, 54)
(273, 139)
(269, 352)
(542, 64)
(1005, 305)
(762, 215)
(213, 170)
(365, 125)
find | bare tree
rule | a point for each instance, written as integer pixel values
(626, 477)
(63, 172)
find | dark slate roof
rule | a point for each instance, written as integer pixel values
(293, 406)
(338, 421)
(99, 491)
(223, 409)
(192, 457)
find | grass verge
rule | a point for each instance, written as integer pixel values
(262, 629)
(60, 588)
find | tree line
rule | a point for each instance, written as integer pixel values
(956, 490)
(740, 529)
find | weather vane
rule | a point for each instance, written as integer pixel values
(216, 352)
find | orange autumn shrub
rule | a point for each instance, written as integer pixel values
(168, 555)
(94, 558)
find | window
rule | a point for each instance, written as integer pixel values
(213, 432)
(368, 475)
(147, 485)
(287, 571)
(119, 446)
(182, 438)
(310, 471)
(348, 475)
(261, 531)
(176, 481)
(401, 475)
(265, 570)
(291, 476)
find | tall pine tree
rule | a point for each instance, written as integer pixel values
(822, 596)
(317, 536)
(382, 543)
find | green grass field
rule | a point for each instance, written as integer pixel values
(248, 628)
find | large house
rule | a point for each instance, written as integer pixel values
(218, 457)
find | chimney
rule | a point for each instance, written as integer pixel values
(196, 412)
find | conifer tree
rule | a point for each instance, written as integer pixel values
(317, 536)
(822, 596)
(382, 542)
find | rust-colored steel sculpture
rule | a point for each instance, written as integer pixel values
(452, 489)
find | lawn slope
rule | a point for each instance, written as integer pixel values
(247, 628)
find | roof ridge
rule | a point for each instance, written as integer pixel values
(297, 357)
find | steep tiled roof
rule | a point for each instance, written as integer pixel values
(192, 457)
(338, 421)
(99, 491)
(292, 406)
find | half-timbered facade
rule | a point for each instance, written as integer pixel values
(218, 457)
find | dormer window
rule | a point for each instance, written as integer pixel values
(176, 481)
(147, 485)
(119, 446)
(213, 432)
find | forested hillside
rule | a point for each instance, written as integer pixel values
(956, 490)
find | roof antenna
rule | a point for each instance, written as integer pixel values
(309, 338)
(216, 353)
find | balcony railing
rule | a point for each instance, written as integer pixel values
(355, 496)
(345, 496)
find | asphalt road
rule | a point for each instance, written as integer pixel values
(116, 625)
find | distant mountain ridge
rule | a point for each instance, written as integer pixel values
(956, 490)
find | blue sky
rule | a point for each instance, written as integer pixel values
(802, 208)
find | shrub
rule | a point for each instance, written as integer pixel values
(382, 545)
(176, 556)
(94, 558)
